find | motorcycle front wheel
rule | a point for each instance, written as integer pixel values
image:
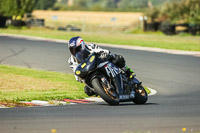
(103, 92)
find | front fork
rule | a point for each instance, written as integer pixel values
(135, 82)
(118, 82)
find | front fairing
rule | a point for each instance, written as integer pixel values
(87, 66)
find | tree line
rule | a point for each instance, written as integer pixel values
(19, 7)
(105, 5)
(16, 7)
(173, 10)
(9, 8)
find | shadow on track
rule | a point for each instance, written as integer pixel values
(128, 104)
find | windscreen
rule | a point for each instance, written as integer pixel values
(82, 55)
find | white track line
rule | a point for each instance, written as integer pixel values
(153, 92)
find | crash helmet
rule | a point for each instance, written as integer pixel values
(78, 48)
(76, 44)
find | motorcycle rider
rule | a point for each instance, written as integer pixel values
(77, 44)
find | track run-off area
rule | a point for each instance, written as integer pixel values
(174, 109)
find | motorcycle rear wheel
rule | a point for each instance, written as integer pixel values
(97, 85)
(141, 95)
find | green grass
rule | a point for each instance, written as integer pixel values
(23, 84)
(178, 42)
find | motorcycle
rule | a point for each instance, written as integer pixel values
(108, 81)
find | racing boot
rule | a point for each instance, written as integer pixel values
(89, 92)
(129, 72)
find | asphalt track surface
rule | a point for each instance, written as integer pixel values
(175, 106)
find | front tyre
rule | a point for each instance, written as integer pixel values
(141, 96)
(98, 86)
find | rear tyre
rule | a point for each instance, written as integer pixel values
(97, 85)
(141, 96)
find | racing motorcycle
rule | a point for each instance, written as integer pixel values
(108, 81)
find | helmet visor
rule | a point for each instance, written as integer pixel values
(75, 50)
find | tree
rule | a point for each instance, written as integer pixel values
(185, 11)
(193, 15)
(153, 14)
(108, 4)
(128, 4)
(16, 7)
(44, 4)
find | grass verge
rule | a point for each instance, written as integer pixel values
(188, 43)
(23, 84)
